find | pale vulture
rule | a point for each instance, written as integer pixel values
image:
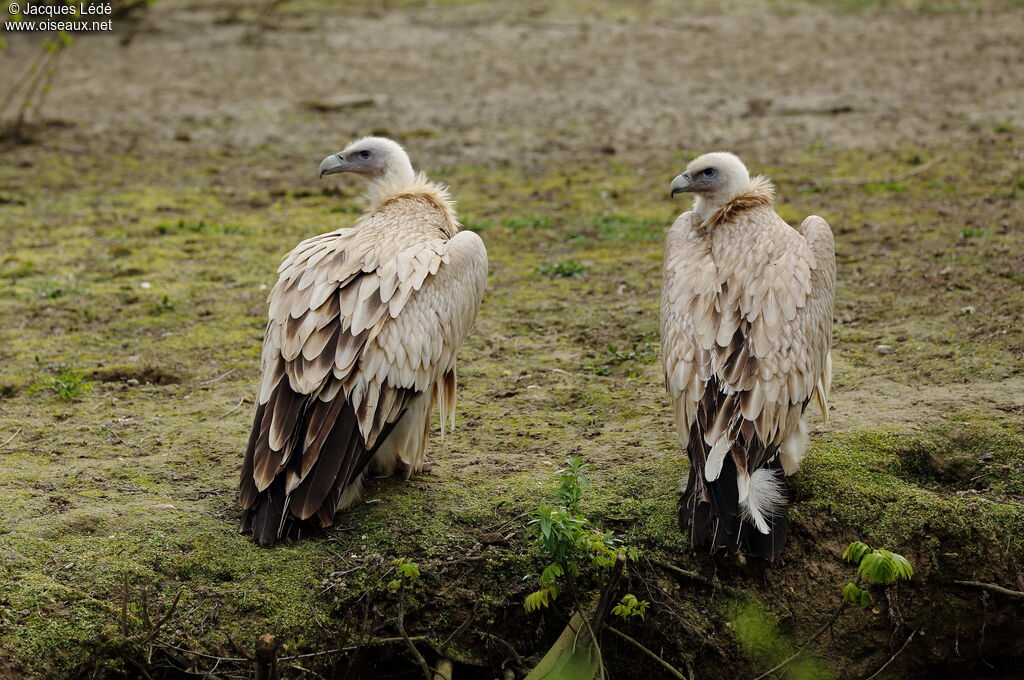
(746, 326)
(365, 325)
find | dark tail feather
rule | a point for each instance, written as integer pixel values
(272, 516)
(715, 524)
(266, 519)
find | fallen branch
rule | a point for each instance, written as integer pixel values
(692, 575)
(893, 657)
(993, 587)
(667, 666)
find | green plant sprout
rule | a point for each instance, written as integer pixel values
(874, 566)
(68, 386)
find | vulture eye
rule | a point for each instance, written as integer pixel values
(710, 172)
(364, 154)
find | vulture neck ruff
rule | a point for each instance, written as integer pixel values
(760, 192)
(387, 190)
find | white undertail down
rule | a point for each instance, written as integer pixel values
(764, 498)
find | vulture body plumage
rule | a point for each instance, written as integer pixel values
(746, 324)
(364, 329)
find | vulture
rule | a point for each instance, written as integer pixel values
(364, 329)
(746, 326)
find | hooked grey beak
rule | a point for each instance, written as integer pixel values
(680, 184)
(332, 164)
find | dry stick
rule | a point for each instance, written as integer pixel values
(828, 624)
(352, 648)
(217, 379)
(163, 619)
(692, 575)
(887, 180)
(10, 439)
(502, 525)
(460, 630)
(648, 652)
(405, 636)
(232, 659)
(993, 587)
(893, 657)
(235, 408)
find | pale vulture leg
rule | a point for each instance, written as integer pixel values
(405, 447)
(352, 492)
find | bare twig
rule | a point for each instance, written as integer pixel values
(692, 575)
(505, 643)
(233, 409)
(352, 648)
(405, 636)
(893, 657)
(10, 439)
(217, 379)
(665, 664)
(202, 655)
(163, 619)
(798, 652)
(993, 587)
(461, 629)
(502, 525)
(859, 181)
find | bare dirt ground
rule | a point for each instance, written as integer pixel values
(174, 163)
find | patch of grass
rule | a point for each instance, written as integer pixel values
(643, 350)
(617, 227)
(162, 306)
(528, 222)
(564, 269)
(199, 227)
(51, 290)
(69, 385)
(972, 232)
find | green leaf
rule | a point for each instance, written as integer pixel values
(875, 567)
(851, 593)
(903, 568)
(855, 552)
(536, 600)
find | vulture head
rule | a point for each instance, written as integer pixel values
(378, 159)
(715, 178)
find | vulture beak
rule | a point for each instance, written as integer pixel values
(333, 164)
(680, 184)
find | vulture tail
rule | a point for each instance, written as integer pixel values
(279, 514)
(715, 519)
(715, 514)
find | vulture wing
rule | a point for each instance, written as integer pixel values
(362, 322)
